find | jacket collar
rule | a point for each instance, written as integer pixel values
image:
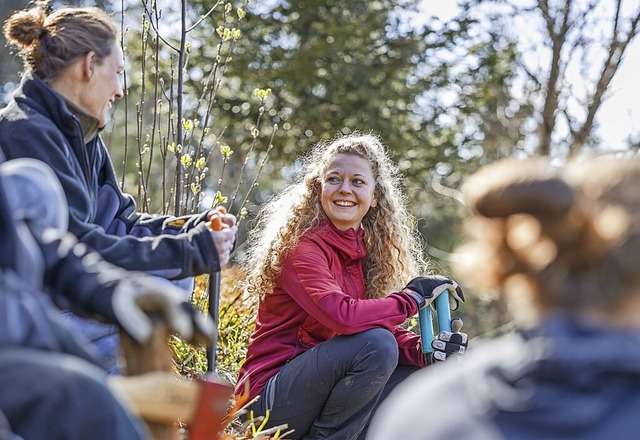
(349, 244)
(574, 341)
(38, 95)
(89, 124)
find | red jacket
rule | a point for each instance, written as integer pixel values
(321, 294)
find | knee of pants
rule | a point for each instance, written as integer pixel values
(382, 345)
(59, 388)
(76, 386)
(73, 379)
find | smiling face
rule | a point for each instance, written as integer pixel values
(347, 191)
(104, 86)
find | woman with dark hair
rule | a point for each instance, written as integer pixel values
(562, 245)
(74, 63)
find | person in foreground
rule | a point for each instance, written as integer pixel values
(337, 268)
(52, 384)
(73, 66)
(562, 246)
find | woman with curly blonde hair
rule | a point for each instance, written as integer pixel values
(329, 257)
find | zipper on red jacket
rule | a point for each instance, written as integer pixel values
(348, 276)
(358, 251)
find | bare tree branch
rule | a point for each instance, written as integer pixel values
(617, 48)
(558, 38)
(438, 187)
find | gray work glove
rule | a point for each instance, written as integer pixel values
(135, 301)
(450, 344)
(430, 287)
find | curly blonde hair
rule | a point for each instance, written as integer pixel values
(394, 249)
(561, 238)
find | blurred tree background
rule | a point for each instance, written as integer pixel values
(9, 65)
(501, 78)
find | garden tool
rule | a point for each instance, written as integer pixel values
(443, 319)
(161, 397)
(204, 426)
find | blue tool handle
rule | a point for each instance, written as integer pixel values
(444, 312)
(426, 328)
(425, 317)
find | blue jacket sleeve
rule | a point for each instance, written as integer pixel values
(76, 277)
(29, 319)
(105, 219)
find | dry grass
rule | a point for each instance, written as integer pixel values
(237, 315)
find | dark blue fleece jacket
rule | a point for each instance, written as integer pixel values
(38, 124)
(567, 379)
(28, 316)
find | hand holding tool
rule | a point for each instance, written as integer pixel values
(449, 339)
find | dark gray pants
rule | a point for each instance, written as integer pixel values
(332, 390)
(53, 396)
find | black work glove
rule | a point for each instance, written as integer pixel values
(428, 288)
(450, 344)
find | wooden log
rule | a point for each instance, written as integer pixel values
(154, 356)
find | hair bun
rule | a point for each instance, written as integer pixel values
(25, 27)
(514, 186)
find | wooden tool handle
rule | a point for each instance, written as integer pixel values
(145, 358)
(215, 223)
(161, 398)
(215, 281)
